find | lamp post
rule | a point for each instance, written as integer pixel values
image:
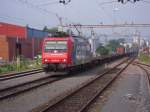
(18, 54)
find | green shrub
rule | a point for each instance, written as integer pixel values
(25, 64)
(144, 58)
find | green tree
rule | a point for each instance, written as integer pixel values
(113, 44)
(50, 30)
(45, 28)
(121, 40)
(102, 50)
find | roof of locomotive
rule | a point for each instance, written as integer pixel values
(57, 38)
(64, 36)
(71, 38)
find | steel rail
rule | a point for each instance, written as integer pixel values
(48, 107)
(19, 74)
(27, 86)
(142, 64)
(145, 70)
(100, 92)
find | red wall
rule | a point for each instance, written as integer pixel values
(12, 30)
(30, 47)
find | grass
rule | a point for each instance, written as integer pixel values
(144, 58)
(25, 64)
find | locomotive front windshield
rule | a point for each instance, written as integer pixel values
(51, 45)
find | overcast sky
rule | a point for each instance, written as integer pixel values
(77, 11)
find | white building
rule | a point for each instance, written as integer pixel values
(94, 41)
(136, 40)
(147, 43)
(142, 43)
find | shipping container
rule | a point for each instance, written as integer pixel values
(34, 33)
(120, 50)
(12, 30)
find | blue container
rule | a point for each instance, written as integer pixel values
(34, 33)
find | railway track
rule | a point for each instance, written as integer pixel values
(21, 88)
(20, 74)
(144, 67)
(80, 99)
(142, 64)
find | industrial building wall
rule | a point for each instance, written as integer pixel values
(37, 46)
(8, 48)
(34, 33)
(12, 30)
(11, 48)
(27, 48)
(4, 48)
(37, 37)
(29, 40)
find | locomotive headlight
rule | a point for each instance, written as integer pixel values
(46, 60)
(64, 60)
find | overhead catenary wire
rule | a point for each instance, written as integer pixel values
(42, 9)
(49, 3)
(46, 11)
(145, 1)
(2, 16)
(133, 1)
(25, 21)
(108, 2)
(36, 7)
(106, 12)
(144, 25)
(52, 2)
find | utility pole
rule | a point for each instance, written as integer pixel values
(18, 54)
(77, 28)
(60, 27)
(93, 42)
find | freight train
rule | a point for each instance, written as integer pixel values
(59, 53)
(68, 53)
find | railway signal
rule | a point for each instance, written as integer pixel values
(136, 0)
(125, 1)
(64, 2)
(122, 1)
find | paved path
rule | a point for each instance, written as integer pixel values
(131, 94)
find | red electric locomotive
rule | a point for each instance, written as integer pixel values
(63, 53)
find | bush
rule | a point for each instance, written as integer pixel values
(7, 68)
(102, 50)
(25, 64)
(144, 58)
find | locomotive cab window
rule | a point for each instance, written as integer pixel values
(51, 45)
